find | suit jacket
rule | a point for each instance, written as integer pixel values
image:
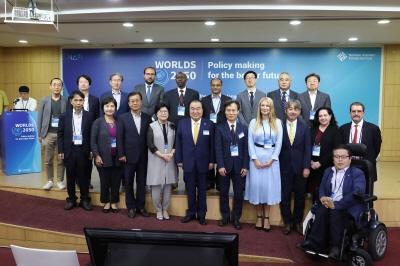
(298, 155)
(65, 134)
(171, 98)
(200, 154)
(328, 141)
(223, 139)
(322, 100)
(208, 108)
(122, 109)
(100, 142)
(129, 142)
(354, 181)
(276, 98)
(246, 112)
(94, 106)
(370, 136)
(156, 97)
(44, 113)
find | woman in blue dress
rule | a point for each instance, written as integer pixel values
(263, 182)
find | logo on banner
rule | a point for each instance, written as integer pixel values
(342, 56)
(162, 77)
(16, 131)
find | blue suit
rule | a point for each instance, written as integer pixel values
(123, 105)
(293, 159)
(196, 159)
(233, 166)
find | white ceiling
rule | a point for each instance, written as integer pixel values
(179, 22)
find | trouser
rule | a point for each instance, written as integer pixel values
(49, 144)
(130, 170)
(110, 177)
(196, 201)
(166, 197)
(237, 183)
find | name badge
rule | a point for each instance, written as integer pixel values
(206, 132)
(213, 117)
(316, 150)
(332, 195)
(234, 150)
(113, 142)
(54, 121)
(78, 139)
(181, 110)
(241, 135)
(165, 148)
(267, 143)
(312, 114)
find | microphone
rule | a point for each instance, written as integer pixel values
(16, 100)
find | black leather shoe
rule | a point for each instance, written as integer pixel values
(202, 221)
(286, 229)
(236, 224)
(188, 218)
(223, 222)
(90, 186)
(209, 186)
(335, 253)
(69, 206)
(306, 244)
(85, 205)
(143, 212)
(131, 213)
(299, 229)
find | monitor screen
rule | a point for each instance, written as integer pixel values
(141, 247)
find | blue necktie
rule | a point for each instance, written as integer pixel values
(148, 93)
(251, 99)
(284, 99)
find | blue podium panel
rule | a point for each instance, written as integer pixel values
(20, 146)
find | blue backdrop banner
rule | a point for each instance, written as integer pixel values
(347, 74)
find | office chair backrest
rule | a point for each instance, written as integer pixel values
(359, 150)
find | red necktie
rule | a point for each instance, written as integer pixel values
(355, 134)
(181, 98)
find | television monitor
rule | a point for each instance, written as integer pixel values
(122, 247)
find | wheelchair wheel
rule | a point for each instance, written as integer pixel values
(377, 242)
(360, 258)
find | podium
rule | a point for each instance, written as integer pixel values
(20, 146)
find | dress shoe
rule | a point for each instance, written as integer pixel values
(236, 224)
(259, 227)
(114, 210)
(306, 244)
(188, 218)
(299, 229)
(131, 213)
(160, 216)
(106, 210)
(223, 222)
(202, 221)
(90, 186)
(174, 186)
(143, 212)
(334, 253)
(69, 206)
(266, 229)
(85, 205)
(165, 215)
(286, 229)
(209, 186)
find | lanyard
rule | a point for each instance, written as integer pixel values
(166, 132)
(73, 123)
(340, 185)
(212, 105)
(269, 132)
(26, 105)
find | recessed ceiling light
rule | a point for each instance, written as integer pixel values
(148, 40)
(128, 24)
(23, 41)
(210, 23)
(84, 41)
(215, 40)
(385, 21)
(282, 39)
(295, 22)
(353, 39)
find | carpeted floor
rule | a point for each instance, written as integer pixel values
(48, 214)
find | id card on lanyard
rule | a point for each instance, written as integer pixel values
(113, 142)
(213, 117)
(234, 150)
(316, 149)
(312, 114)
(267, 142)
(54, 121)
(181, 110)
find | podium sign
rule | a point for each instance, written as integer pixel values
(20, 146)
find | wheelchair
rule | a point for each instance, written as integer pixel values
(370, 232)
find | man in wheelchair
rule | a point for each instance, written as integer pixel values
(336, 203)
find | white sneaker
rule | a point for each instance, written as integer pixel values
(48, 185)
(61, 185)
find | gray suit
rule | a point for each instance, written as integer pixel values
(322, 100)
(44, 113)
(246, 112)
(156, 97)
(277, 99)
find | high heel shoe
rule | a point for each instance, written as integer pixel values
(269, 228)
(106, 210)
(259, 227)
(114, 210)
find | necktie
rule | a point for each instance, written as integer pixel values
(355, 134)
(251, 99)
(181, 98)
(148, 93)
(233, 132)
(291, 133)
(196, 132)
(284, 100)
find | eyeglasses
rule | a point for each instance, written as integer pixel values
(340, 157)
(163, 112)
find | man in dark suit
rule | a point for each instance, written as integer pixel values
(337, 201)
(178, 99)
(360, 131)
(312, 99)
(121, 97)
(132, 152)
(282, 95)
(195, 155)
(73, 139)
(232, 156)
(213, 109)
(249, 98)
(152, 93)
(295, 165)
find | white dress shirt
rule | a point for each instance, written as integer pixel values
(313, 97)
(337, 183)
(353, 131)
(294, 127)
